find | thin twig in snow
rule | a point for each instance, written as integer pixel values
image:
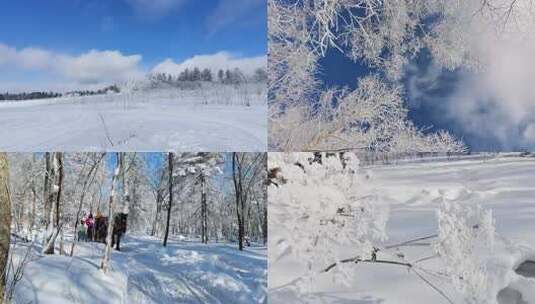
(105, 129)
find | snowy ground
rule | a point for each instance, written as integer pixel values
(145, 272)
(153, 120)
(413, 193)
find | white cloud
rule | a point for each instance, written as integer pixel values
(498, 100)
(214, 62)
(97, 65)
(91, 67)
(6, 54)
(155, 9)
(33, 58)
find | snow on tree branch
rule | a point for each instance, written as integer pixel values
(385, 36)
(466, 237)
(321, 192)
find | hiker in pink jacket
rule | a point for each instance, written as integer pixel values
(90, 222)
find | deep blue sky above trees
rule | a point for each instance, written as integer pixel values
(154, 161)
(143, 33)
(156, 29)
(430, 95)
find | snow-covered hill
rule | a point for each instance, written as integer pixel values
(413, 193)
(212, 118)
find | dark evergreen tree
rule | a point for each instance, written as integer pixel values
(206, 75)
(228, 77)
(260, 75)
(196, 74)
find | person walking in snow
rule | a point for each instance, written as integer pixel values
(90, 222)
(82, 232)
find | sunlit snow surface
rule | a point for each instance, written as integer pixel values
(161, 119)
(146, 272)
(414, 191)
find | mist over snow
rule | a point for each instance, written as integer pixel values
(495, 104)
(491, 105)
(506, 94)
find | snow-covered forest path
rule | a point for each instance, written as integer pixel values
(190, 272)
(146, 272)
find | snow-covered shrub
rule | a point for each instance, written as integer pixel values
(319, 193)
(466, 237)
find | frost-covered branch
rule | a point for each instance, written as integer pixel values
(384, 36)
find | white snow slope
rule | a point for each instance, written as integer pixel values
(413, 192)
(144, 121)
(145, 272)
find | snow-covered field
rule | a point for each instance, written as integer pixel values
(146, 272)
(413, 193)
(210, 119)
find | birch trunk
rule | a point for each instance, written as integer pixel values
(107, 251)
(5, 220)
(170, 160)
(204, 211)
(238, 192)
(54, 197)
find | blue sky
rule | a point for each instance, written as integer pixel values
(456, 101)
(155, 161)
(142, 33)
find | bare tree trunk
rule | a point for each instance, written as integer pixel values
(61, 239)
(50, 243)
(238, 191)
(46, 190)
(241, 228)
(126, 187)
(33, 212)
(54, 197)
(5, 220)
(266, 199)
(34, 202)
(107, 251)
(58, 168)
(204, 211)
(204, 223)
(51, 190)
(265, 224)
(170, 158)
